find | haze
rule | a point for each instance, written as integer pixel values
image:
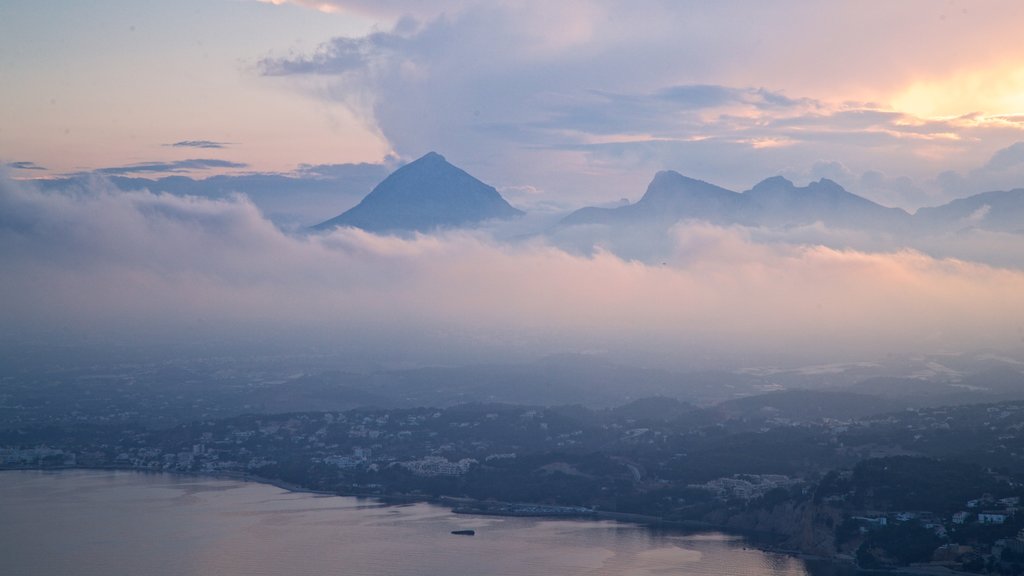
(300, 108)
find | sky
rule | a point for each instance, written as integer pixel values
(558, 105)
(567, 104)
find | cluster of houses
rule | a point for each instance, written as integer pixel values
(438, 466)
(988, 510)
(37, 456)
(984, 510)
(745, 486)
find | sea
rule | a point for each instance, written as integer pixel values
(106, 523)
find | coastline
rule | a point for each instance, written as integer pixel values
(457, 505)
(462, 505)
(239, 476)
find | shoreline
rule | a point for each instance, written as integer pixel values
(459, 505)
(753, 539)
(456, 505)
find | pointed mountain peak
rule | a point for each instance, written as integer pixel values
(431, 162)
(430, 157)
(425, 194)
(669, 184)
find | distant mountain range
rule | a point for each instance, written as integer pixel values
(426, 194)
(430, 193)
(778, 203)
(998, 211)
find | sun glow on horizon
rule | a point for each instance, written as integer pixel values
(983, 94)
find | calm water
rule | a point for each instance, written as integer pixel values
(87, 523)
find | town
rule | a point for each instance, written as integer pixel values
(940, 486)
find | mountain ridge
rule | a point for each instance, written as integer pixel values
(431, 194)
(773, 202)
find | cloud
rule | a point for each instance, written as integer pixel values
(1006, 159)
(674, 112)
(979, 215)
(198, 144)
(293, 201)
(385, 8)
(364, 172)
(177, 166)
(23, 165)
(584, 101)
(1003, 171)
(877, 186)
(138, 267)
(711, 96)
(328, 7)
(338, 56)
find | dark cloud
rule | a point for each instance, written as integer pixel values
(172, 166)
(697, 96)
(343, 171)
(338, 56)
(777, 99)
(25, 166)
(677, 111)
(199, 144)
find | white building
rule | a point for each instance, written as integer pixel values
(991, 518)
(961, 517)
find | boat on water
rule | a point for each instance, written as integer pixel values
(464, 532)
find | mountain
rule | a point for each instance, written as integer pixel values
(670, 197)
(423, 195)
(777, 202)
(999, 211)
(774, 202)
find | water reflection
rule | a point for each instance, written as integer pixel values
(107, 523)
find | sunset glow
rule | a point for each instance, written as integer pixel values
(779, 154)
(987, 93)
